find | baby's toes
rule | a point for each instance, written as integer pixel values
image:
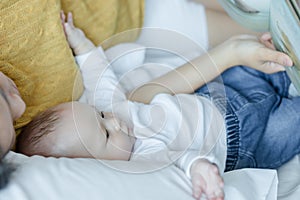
(199, 185)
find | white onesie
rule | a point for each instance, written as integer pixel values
(179, 128)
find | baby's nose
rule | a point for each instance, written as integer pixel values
(115, 124)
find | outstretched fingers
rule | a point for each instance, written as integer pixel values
(63, 19)
(62, 16)
(70, 20)
(199, 185)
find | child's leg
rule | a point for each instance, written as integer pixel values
(245, 78)
(281, 138)
(282, 84)
(279, 122)
(268, 133)
(245, 118)
(252, 110)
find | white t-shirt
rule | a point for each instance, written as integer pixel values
(179, 128)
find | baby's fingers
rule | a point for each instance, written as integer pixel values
(198, 186)
(266, 36)
(266, 39)
(276, 57)
(63, 19)
(70, 20)
(62, 16)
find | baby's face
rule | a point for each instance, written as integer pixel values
(85, 132)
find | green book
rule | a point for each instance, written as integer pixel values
(285, 30)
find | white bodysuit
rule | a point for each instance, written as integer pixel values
(179, 128)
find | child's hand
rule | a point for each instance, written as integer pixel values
(259, 53)
(266, 39)
(206, 180)
(76, 38)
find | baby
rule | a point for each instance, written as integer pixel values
(204, 134)
(80, 130)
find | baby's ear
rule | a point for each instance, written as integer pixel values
(126, 57)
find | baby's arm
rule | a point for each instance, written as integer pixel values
(77, 40)
(100, 82)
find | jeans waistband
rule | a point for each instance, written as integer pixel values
(232, 130)
(233, 139)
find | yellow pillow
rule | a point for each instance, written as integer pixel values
(36, 55)
(101, 19)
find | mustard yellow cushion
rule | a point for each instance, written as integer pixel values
(34, 53)
(101, 19)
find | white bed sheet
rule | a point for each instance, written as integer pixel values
(39, 178)
(63, 179)
(289, 180)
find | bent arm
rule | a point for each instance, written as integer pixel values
(244, 50)
(100, 82)
(188, 77)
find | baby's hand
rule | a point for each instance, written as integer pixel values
(206, 180)
(75, 36)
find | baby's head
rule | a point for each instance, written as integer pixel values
(77, 130)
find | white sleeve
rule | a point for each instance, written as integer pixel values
(100, 82)
(189, 157)
(185, 161)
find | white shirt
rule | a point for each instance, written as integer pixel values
(179, 128)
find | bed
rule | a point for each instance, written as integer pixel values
(50, 178)
(63, 178)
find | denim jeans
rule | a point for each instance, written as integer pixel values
(263, 124)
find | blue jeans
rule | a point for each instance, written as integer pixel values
(263, 123)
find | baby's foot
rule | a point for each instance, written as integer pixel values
(206, 180)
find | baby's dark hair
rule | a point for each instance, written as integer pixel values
(29, 140)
